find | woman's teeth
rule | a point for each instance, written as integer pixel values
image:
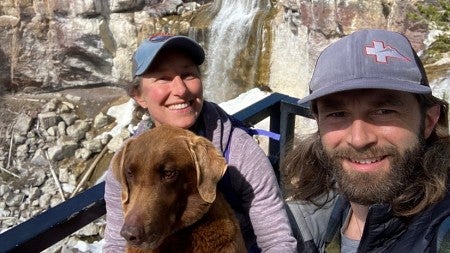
(178, 106)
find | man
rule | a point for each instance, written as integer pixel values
(374, 178)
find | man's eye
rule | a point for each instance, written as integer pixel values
(336, 114)
(384, 111)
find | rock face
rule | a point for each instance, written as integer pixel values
(56, 44)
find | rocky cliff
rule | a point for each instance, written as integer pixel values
(56, 44)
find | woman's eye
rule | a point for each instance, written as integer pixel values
(164, 79)
(188, 76)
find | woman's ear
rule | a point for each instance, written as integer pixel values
(137, 96)
(431, 119)
(140, 101)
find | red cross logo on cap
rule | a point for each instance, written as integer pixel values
(381, 52)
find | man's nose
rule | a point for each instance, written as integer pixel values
(361, 134)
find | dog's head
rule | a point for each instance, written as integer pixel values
(168, 177)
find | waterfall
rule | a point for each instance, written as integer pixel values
(228, 37)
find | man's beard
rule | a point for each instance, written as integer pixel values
(381, 186)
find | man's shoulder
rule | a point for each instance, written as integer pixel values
(443, 232)
(310, 221)
(443, 237)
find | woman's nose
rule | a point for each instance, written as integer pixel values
(361, 134)
(178, 86)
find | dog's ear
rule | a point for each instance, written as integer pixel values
(119, 171)
(210, 166)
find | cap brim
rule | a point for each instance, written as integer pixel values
(367, 83)
(185, 44)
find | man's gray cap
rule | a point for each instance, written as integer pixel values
(368, 59)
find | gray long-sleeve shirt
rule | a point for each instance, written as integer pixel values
(252, 177)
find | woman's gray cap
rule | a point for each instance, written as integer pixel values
(150, 47)
(368, 59)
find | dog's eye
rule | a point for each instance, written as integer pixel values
(129, 174)
(168, 174)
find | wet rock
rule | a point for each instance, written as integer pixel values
(22, 151)
(44, 200)
(65, 148)
(37, 178)
(3, 190)
(19, 139)
(52, 131)
(14, 199)
(68, 188)
(23, 124)
(101, 120)
(34, 193)
(47, 119)
(89, 230)
(63, 175)
(50, 106)
(116, 142)
(62, 128)
(83, 153)
(93, 145)
(39, 158)
(78, 129)
(69, 118)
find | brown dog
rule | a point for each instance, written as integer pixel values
(169, 177)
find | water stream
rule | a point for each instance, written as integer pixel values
(228, 38)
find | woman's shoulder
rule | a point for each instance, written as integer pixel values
(143, 126)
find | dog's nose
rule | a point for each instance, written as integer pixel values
(132, 234)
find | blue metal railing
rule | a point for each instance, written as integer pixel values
(53, 225)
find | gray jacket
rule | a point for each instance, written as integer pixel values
(252, 177)
(318, 229)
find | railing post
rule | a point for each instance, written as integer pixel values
(289, 109)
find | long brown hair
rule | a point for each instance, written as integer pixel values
(305, 177)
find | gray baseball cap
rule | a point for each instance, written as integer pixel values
(150, 47)
(368, 59)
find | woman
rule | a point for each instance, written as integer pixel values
(171, 91)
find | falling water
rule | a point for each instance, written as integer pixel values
(229, 35)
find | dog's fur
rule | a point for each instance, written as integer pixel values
(169, 177)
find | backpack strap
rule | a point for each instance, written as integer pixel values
(224, 185)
